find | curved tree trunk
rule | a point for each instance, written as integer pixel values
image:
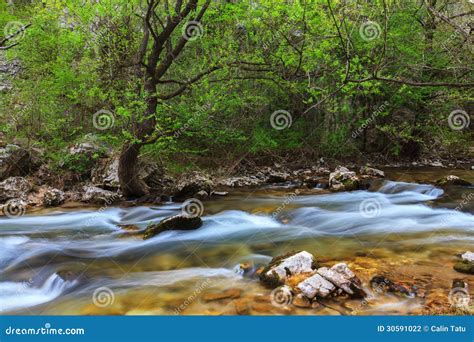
(130, 182)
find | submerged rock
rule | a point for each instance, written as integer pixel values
(452, 180)
(369, 171)
(466, 264)
(381, 284)
(342, 179)
(227, 294)
(178, 222)
(14, 187)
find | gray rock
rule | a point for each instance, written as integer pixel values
(343, 180)
(452, 180)
(53, 197)
(191, 183)
(369, 171)
(468, 256)
(316, 285)
(16, 161)
(93, 194)
(295, 264)
(14, 187)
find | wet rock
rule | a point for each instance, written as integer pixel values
(369, 171)
(464, 267)
(242, 307)
(93, 194)
(381, 284)
(178, 222)
(53, 197)
(452, 180)
(282, 267)
(202, 194)
(316, 285)
(301, 301)
(343, 180)
(219, 193)
(189, 184)
(16, 161)
(341, 276)
(227, 294)
(14, 187)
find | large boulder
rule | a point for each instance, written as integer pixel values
(93, 194)
(16, 161)
(53, 197)
(105, 175)
(452, 180)
(178, 222)
(369, 171)
(342, 179)
(14, 187)
(282, 267)
(299, 272)
(189, 184)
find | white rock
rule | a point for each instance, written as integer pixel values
(338, 279)
(299, 263)
(343, 269)
(316, 286)
(468, 256)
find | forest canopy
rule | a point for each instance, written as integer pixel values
(213, 82)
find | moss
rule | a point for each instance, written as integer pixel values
(464, 267)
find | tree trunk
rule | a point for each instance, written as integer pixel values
(130, 182)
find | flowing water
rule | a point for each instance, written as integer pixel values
(79, 261)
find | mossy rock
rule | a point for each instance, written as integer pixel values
(452, 180)
(464, 267)
(178, 222)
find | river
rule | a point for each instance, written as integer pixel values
(79, 261)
